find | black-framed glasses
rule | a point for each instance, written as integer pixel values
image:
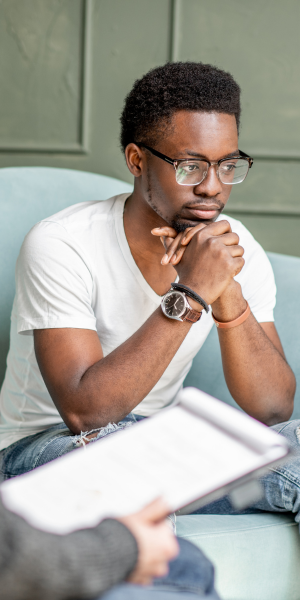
(192, 171)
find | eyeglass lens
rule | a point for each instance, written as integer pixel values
(230, 172)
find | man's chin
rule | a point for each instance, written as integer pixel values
(181, 225)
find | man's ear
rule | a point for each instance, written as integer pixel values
(135, 158)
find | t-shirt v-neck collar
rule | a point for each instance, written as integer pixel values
(125, 249)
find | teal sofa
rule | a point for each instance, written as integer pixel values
(257, 557)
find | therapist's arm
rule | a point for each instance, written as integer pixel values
(35, 565)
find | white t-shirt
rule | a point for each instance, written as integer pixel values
(75, 269)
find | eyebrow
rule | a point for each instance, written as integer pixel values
(196, 154)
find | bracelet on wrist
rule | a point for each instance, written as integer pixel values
(184, 288)
(229, 324)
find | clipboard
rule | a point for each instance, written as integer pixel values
(190, 454)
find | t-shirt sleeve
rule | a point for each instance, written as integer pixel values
(257, 278)
(54, 282)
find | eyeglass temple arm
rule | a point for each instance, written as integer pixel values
(159, 154)
(247, 156)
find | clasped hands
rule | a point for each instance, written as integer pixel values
(206, 257)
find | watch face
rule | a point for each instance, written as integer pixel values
(174, 305)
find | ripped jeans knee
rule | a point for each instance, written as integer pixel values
(38, 449)
(88, 437)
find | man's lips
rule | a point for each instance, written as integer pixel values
(204, 212)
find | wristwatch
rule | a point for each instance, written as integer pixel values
(175, 305)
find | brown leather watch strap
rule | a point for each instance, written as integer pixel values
(193, 316)
(235, 322)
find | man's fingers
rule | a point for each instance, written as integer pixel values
(171, 249)
(177, 256)
(218, 228)
(229, 239)
(166, 242)
(238, 263)
(236, 251)
(164, 232)
(189, 233)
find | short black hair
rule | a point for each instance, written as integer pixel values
(160, 93)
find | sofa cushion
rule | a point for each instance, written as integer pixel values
(256, 557)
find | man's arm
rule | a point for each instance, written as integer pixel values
(90, 390)
(35, 565)
(255, 369)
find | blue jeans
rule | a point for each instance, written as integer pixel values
(36, 450)
(281, 484)
(191, 576)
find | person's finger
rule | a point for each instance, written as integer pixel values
(177, 256)
(171, 249)
(229, 239)
(218, 228)
(167, 241)
(156, 511)
(239, 263)
(164, 231)
(236, 251)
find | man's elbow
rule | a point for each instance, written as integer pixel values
(79, 424)
(283, 412)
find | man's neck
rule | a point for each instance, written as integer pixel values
(146, 249)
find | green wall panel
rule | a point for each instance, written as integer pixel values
(117, 42)
(271, 186)
(274, 233)
(40, 74)
(259, 43)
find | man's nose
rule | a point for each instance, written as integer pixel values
(211, 185)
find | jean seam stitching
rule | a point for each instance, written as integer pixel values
(46, 445)
(288, 478)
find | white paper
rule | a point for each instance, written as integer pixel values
(181, 454)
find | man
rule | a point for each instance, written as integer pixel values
(91, 348)
(122, 556)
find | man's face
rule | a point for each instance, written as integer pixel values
(193, 134)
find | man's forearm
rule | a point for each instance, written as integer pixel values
(111, 388)
(257, 374)
(127, 375)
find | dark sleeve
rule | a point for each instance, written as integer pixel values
(35, 565)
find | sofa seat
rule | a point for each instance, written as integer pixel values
(256, 557)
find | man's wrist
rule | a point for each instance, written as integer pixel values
(231, 304)
(195, 305)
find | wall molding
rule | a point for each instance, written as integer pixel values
(175, 18)
(285, 156)
(81, 147)
(255, 212)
